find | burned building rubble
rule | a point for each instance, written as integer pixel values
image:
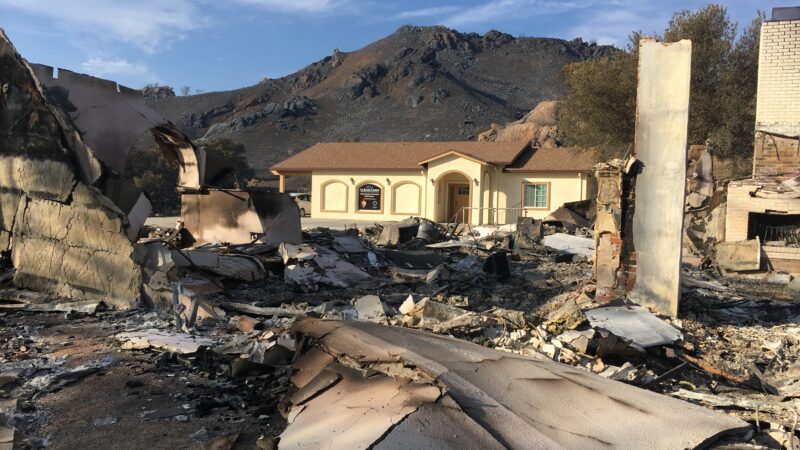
(66, 238)
(503, 401)
(766, 207)
(745, 227)
(404, 335)
(70, 220)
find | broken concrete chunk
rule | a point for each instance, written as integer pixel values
(408, 305)
(430, 313)
(634, 323)
(568, 317)
(606, 343)
(625, 373)
(577, 340)
(397, 233)
(466, 320)
(516, 318)
(794, 285)
(739, 256)
(370, 308)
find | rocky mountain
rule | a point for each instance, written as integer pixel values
(419, 83)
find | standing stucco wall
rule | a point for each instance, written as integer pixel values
(564, 188)
(662, 119)
(335, 194)
(471, 172)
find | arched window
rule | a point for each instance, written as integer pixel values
(334, 196)
(406, 198)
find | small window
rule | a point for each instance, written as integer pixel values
(463, 190)
(535, 196)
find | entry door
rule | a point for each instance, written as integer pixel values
(459, 198)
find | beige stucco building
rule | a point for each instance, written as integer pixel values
(481, 182)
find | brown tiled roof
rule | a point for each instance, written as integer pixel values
(555, 159)
(394, 155)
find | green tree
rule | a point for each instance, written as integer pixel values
(738, 85)
(713, 35)
(600, 109)
(226, 164)
(151, 172)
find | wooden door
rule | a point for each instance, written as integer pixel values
(459, 198)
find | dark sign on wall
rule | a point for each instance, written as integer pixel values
(369, 197)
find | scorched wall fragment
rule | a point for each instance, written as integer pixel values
(66, 238)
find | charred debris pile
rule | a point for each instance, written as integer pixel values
(411, 334)
(466, 329)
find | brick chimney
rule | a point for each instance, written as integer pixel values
(778, 100)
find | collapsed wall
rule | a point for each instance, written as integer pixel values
(65, 237)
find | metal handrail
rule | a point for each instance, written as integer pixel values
(463, 210)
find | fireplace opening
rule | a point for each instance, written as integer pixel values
(774, 229)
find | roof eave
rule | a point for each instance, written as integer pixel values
(511, 169)
(453, 153)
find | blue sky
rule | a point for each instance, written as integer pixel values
(226, 44)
